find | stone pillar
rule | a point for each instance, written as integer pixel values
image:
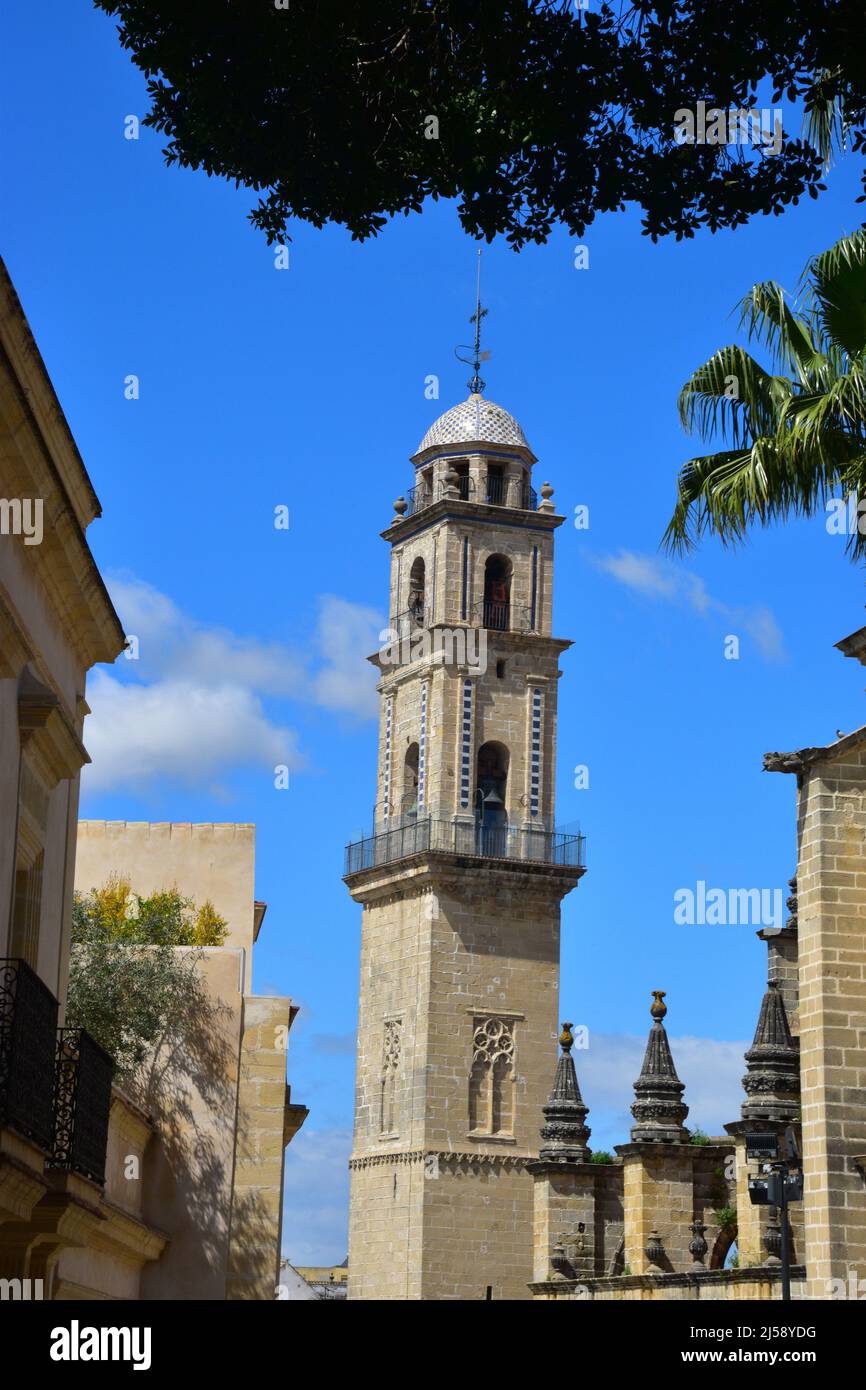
(831, 884)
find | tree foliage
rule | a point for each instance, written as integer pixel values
(128, 985)
(528, 112)
(796, 427)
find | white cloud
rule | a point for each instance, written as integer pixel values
(348, 634)
(660, 579)
(178, 728)
(191, 705)
(608, 1068)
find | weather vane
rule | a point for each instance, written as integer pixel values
(476, 384)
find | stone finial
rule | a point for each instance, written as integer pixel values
(564, 1132)
(772, 1239)
(545, 505)
(452, 482)
(400, 505)
(772, 1080)
(655, 1250)
(658, 1107)
(698, 1245)
(791, 904)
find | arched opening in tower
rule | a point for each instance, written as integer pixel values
(490, 800)
(409, 799)
(416, 592)
(497, 593)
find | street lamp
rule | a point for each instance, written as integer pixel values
(778, 1188)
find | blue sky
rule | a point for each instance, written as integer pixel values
(305, 388)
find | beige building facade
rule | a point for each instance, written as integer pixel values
(56, 623)
(102, 1196)
(831, 886)
(223, 1113)
(461, 879)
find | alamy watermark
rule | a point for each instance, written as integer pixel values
(846, 516)
(22, 516)
(22, 1290)
(731, 907)
(716, 126)
(460, 646)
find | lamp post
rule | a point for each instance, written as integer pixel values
(778, 1188)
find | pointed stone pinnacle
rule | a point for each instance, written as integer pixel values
(564, 1131)
(658, 1107)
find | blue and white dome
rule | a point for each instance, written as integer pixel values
(474, 421)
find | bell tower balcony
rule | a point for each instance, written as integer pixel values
(414, 836)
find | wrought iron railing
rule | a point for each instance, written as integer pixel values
(501, 617)
(409, 619)
(82, 1102)
(497, 489)
(428, 834)
(495, 493)
(465, 488)
(418, 498)
(28, 1033)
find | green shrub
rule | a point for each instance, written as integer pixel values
(128, 986)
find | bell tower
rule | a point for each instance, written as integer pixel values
(461, 877)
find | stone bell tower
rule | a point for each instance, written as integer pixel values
(461, 878)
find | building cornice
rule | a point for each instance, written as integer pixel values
(43, 462)
(451, 1157)
(802, 759)
(473, 513)
(440, 868)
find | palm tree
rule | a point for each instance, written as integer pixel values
(796, 430)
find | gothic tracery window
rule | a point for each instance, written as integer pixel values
(491, 1082)
(391, 1047)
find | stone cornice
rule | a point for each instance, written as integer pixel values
(854, 645)
(505, 641)
(438, 868)
(48, 733)
(701, 1279)
(470, 513)
(28, 368)
(40, 460)
(450, 1157)
(125, 1235)
(804, 758)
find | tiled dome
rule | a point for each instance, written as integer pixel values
(475, 420)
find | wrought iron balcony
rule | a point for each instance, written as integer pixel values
(82, 1101)
(28, 1035)
(501, 617)
(428, 834)
(418, 499)
(495, 492)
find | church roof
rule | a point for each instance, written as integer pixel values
(475, 421)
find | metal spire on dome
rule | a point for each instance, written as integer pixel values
(475, 383)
